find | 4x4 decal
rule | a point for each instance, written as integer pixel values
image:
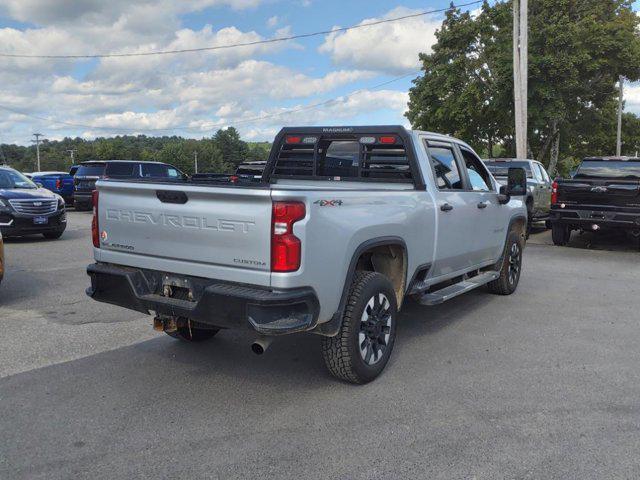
(328, 203)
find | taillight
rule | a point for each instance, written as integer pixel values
(58, 184)
(285, 246)
(95, 227)
(388, 140)
(554, 193)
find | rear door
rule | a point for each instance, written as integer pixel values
(456, 241)
(223, 232)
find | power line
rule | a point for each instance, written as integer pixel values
(214, 125)
(245, 44)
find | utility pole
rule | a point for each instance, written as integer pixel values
(72, 152)
(520, 73)
(619, 138)
(37, 142)
(195, 159)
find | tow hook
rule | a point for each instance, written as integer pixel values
(260, 344)
(165, 324)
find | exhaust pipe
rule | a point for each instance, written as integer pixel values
(260, 345)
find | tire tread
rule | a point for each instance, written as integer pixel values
(335, 350)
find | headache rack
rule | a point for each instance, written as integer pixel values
(375, 154)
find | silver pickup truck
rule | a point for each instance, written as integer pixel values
(347, 224)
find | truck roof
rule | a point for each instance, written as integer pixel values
(612, 159)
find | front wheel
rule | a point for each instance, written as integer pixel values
(510, 267)
(363, 345)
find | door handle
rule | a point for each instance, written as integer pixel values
(446, 207)
(482, 205)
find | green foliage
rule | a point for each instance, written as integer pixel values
(220, 154)
(577, 50)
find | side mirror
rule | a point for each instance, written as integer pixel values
(516, 185)
(39, 185)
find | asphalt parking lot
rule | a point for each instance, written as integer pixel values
(542, 384)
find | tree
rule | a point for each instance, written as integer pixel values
(219, 154)
(577, 49)
(233, 149)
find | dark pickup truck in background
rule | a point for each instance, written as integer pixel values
(84, 182)
(604, 193)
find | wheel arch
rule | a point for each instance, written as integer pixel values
(392, 263)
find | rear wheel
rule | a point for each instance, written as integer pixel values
(361, 350)
(560, 234)
(510, 267)
(192, 332)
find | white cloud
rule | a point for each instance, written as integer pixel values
(389, 47)
(273, 21)
(204, 90)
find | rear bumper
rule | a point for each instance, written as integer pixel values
(586, 218)
(215, 303)
(15, 225)
(82, 198)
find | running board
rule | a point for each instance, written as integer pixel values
(447, 293)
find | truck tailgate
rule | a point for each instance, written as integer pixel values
(619, 193)
(219, 232)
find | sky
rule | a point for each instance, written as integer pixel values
(361, 76)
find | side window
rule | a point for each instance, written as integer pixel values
(537, 172)
(446, 168)
(545, 175)
(478, 175)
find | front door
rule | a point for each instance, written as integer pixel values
(491, 220)
(457, 242)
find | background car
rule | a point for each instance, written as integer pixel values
(119, 169)
(538, 198)
(88, 173)
(84, 182)
(57, 182)
(26, 209)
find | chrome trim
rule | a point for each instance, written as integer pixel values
(6, 225)
(34, 206)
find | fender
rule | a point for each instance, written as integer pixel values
(514, 219)
(332, 327)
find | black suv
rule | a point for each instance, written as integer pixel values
(89, 172)
(26, 209)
